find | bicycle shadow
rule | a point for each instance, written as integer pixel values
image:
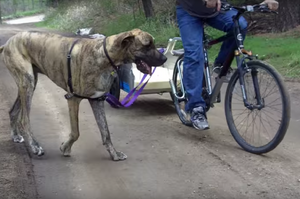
(219, 141)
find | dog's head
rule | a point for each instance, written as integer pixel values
(138, 46)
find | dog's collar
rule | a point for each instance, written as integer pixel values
(108, 57)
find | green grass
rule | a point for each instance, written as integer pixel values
(279, 50)
(161, 31)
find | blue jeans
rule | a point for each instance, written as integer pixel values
(191, 31)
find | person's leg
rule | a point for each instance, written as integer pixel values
(191, 30)
(224, 22)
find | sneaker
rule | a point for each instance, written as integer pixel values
(217, 69)
(198, 118)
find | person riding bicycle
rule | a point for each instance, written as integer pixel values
(191, 14)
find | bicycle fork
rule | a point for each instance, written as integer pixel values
(242, 71)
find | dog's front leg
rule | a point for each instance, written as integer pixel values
(99, 113)
(73, 104)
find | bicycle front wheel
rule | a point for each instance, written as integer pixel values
(258, 131)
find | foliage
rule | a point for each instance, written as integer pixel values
(12, 7)
(113, 16)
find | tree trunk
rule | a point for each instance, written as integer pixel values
(148, 8)
(23, 5)
(289, 15)
(41, 4)
(15, 6)
(53, 3)
(0, 14)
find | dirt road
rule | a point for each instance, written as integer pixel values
(165, 159)
(23, 20)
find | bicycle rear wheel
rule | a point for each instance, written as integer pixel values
(258, 131)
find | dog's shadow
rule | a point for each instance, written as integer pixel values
(145, 106)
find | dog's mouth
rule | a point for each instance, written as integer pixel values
(143, 67)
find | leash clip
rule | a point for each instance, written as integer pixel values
(102, 98)
(68, 96)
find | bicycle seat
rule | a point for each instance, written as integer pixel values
(178, 52)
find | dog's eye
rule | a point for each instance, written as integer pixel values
(150, 44)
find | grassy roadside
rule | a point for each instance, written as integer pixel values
(23, 14)
(280, 50)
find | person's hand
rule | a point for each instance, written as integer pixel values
(272, 4)
(213, 4)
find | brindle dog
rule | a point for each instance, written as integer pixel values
(28, 53)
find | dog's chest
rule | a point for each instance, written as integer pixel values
(105, 80)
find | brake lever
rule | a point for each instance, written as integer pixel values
(225, 6)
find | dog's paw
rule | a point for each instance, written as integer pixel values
(17, 138)
(66, 151)
(119, 156)
(37, 150)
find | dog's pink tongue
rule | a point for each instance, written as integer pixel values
(145, 68)
(149, 68)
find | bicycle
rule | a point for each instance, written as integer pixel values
(253, 95)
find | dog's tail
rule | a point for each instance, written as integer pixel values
(1, 49)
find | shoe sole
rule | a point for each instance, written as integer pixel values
(206, 128)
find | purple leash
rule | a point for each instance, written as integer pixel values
(113, 101)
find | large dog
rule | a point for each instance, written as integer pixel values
(90, 74)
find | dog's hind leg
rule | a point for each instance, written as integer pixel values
(14, 114)
(74, 135)
(99, 113)
(20, 112)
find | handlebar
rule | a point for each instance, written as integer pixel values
(224, 7)
(249, 8)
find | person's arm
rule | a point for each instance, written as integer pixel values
(272, 4)
(213, 4)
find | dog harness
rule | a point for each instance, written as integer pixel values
(112, 100)
(72, 93)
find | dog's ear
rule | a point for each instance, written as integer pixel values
(124, 40)
(127, 41)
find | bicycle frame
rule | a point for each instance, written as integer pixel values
(226, 65)
(240, 54)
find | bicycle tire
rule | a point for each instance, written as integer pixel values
(286, 112)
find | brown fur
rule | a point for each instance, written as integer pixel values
(28, 53)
